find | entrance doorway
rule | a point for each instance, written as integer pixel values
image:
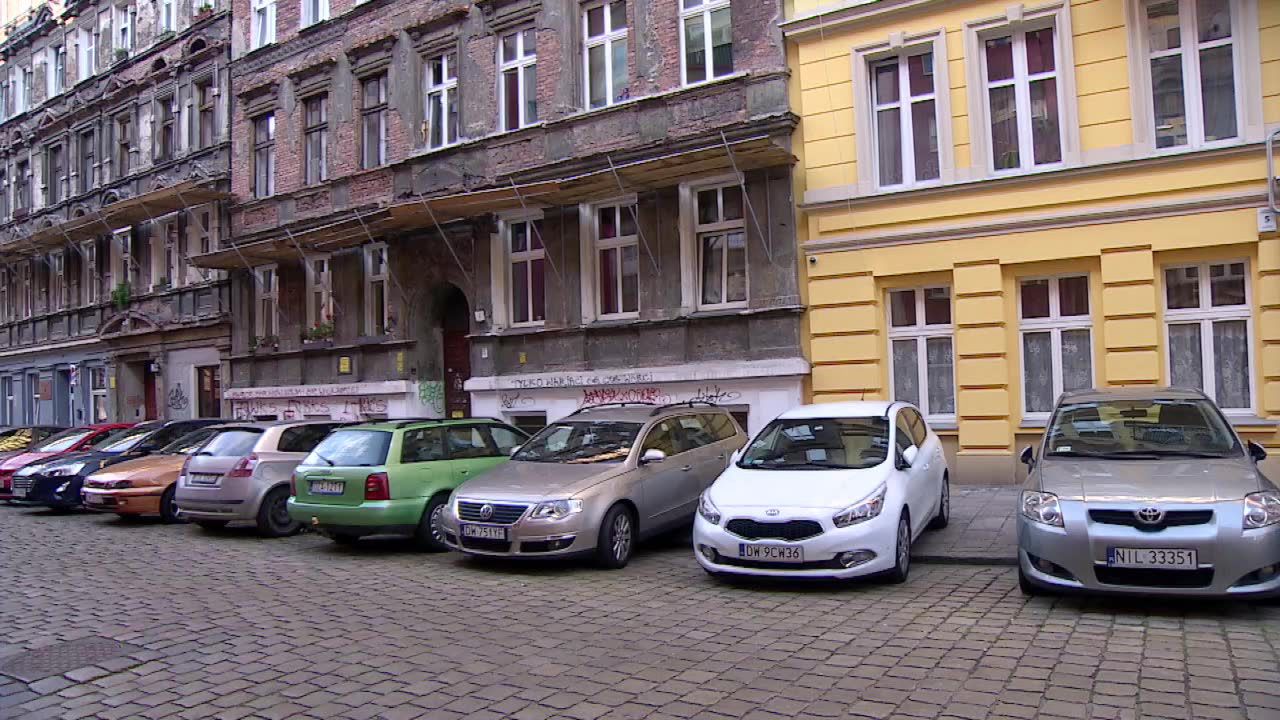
(150, 407)
(455, 324)
(209, 398)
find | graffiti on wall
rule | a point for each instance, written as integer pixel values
(653, 394)
(647, 394)
(514, 400)
(351, 408)
(715, 394)
(431, 395)
(178, 399)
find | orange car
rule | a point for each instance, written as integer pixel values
(135, 487)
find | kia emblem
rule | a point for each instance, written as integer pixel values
(486, 512)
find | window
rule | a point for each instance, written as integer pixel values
(6, 310)
(22, 185)
(92, 282)
(722, 247)
(617, 260)
(33, 410)
(25, 95)
(202, 136)
(422, 445)
(466, 441)
(174, 270)
(706, 32)
(264, 155)
(26, 283)
(373, 118)
(518, 79)
(906, 118)
(124, 28)
(530, 422)
(4, 194)
(303, 438)
(314, 11)
(123, 144)
(1057, 351)
(921, 358)
(505, 438)
(604, 34)
(262, 31)
(316, 138)
(442, 100)
(10, 410)
(55, 168)
(88, 146)
(209, 382)
(319, 292)
(97, 393)
(1023, 98)
(166, 16)
(526, 257)
(267, 298)
(56, 80)
(58, 298)
(86, 53)
(376, 274)
(1191, 48)
(165, 139)
(1207, 317)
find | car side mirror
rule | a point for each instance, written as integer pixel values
(513, 451)
(652, 455)
(910, 454)
(1257, 452)
(1028, 457)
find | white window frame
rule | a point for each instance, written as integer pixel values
(91, 276)
(319, 283)
(6, 310)
(725, 226)
(368, 253)
(262, 23)
(705, 8)
(593, 246)
(446, 91)
(58, 299)
(510, 258)
(1246, 60)
(123, 24)
(1054, 324)
(921, 333)
(168, 18)
(270, 147)
(1206, 315)
(27, 288)
(314, 11)
(320, 129)
(906, 119)
(382, 111)
(1021, 19)
(610, 36)
(87, 63)
(519, 64)
(97, 394)
(51, 79)
(266, 288)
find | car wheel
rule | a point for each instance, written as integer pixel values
(902, 551)
(211, 525)
(943, 517)
(169, 506)
(430, 534)
(1028, 588)
(273, 515)
(617, 539)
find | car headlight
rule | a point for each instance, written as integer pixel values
(708, 510)
(120, 484)
(63, 488)
(28, 471)
(865, 509)
(1261, 509)
(1042, 507)
(556, 509)
(64, 470)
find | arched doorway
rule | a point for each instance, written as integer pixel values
(455, 324)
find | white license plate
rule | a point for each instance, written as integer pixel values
(1152, 558)
(484, 532)
(327, 487)
(93, 499)
(771, 553)
(203, 479)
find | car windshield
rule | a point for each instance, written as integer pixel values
(1137, 429)
(232, 443)
(351, 448)
(581, 442)
(63, 441)
(123, 440)
(188, 443)
(819, 444)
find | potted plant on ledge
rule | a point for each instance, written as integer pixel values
(121, 54)
(120, 296)
(203, 11)
(320, 333)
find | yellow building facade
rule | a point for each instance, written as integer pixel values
(999, 202)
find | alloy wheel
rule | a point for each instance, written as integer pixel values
(280, 512)
(904, 545)
(946, 498)
(437, 523)
(621, 536)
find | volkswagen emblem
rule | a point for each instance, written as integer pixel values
(486, 511)
(771, 512)
(1149, 515)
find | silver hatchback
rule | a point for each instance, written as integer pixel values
(1147, 491)
(595, 482)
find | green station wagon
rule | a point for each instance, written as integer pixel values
(394, 477)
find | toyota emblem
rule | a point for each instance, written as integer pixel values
(1149, 515)
(486, 512)
(771, 512)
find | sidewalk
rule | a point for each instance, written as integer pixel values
(982, 531)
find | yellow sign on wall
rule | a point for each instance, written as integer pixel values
(344, 364)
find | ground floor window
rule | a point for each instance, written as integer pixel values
(1057, 345)
(529, 422)
(98, 394)
(1207, 324)
(920, 349)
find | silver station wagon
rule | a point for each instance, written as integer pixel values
(1147, 491)
(595, 483)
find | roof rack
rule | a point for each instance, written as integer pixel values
(597, 406)
(686, 403)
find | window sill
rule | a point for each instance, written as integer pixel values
(1247, 419)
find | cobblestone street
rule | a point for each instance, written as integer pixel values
(228, 625)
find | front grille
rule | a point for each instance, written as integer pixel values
(766, 565)
(1154, 577)
(503, 513)
(22, 484)
(501, 546)
(1172, 518)
(789, 530)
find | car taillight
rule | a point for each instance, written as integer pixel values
(377, 487)
(243, 467)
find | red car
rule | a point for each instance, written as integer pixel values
(67, 441)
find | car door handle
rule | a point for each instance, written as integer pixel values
(463, 472)
(686, 468)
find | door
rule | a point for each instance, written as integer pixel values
(455, 323)
(916, 474)
(62, 398)
(665, 486)
(471, 451)
(209, 394)
(149, 393)
(704, 454)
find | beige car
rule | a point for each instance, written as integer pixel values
(595, 482)
(143, 486)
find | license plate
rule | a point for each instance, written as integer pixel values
(484, 532)
(771, 553)
(203, 479)
(93, 499)
(327, 487)
(1152, 558)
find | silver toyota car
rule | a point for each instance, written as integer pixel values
(1147, 491)
(595, 482)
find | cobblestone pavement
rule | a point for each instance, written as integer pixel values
(983, 527)
(228, 625)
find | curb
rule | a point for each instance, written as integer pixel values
(932, 559)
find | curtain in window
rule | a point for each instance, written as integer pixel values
(1186, 365)
(942, 390)
(1231, 363)
(1077, 363)
(1037, 371)
(906, 371)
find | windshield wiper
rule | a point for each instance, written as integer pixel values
(1188, 453)
(324, 459)
(1120, 455)
(797, 465)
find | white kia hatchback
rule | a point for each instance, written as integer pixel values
(835, 490)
